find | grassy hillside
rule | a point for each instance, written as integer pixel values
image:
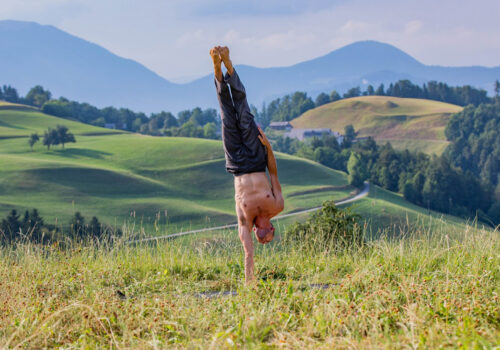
(405, 122)
(121, 176)
(382, 208)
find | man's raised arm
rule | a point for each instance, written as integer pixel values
(273, 172)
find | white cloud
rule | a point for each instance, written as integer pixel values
(352, 26)
(413, 27)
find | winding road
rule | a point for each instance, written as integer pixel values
(364, 192)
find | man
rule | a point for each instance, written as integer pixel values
(245, 146)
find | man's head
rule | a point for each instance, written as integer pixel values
(264, 230)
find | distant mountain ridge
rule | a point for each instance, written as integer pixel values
(32, 54)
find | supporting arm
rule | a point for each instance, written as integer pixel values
(244, 231)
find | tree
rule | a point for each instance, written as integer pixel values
(369, 90)
(10, 94)
(349, 136)
(334, 96)
(353, 92)
(183, 116)
(325, 156)
(94, 228)
(210, 131)
(494, 213)
(380, 90)
(47, 138)
(409, 192)
(11, 226)
(37, 96)
(170, 121)
(50, 137)
(63, 135)
(77, 225)
(356, 167)
(32, 225)
(497, 89)
(322, 99)
(33, 139)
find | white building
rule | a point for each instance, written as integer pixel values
(302, 134)
(281, 126)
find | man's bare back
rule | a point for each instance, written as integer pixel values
(248, 153)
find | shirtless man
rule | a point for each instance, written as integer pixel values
(248, 151)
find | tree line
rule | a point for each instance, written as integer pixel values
(291, 106)
(33, 228)
(188, 123)
(429, 181)
(206, 123)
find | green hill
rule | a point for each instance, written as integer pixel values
(121, 176)
(416, 124)
(20, 120)
(162, 184)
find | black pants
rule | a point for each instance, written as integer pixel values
(244, 151)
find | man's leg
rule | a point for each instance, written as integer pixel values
(231, 135)
(256, 152)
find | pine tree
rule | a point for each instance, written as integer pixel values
(10, 226)
(77, 225)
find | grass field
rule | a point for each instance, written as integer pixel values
(120, 177)
(411, 123)
(421, 280)
(427, 289)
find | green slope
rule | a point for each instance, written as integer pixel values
(411, 123)
(388, 210)
(129, 177)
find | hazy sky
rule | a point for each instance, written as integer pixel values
(173, 37)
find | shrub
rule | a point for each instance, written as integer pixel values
(330, 225)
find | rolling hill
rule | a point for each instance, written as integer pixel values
(129, 177)
(158, 184)
(411, 123)
(20, 121)
(33, 54)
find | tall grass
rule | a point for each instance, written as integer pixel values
(427, 288)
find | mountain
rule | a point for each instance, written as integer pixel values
(68, 66)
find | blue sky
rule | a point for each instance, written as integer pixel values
(173, 37)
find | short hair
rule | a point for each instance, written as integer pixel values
(262, 233)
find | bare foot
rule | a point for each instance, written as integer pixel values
(216, 59)
(224, 55)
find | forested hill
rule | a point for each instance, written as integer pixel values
(32, 54)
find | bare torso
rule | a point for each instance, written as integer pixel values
(254, 196)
